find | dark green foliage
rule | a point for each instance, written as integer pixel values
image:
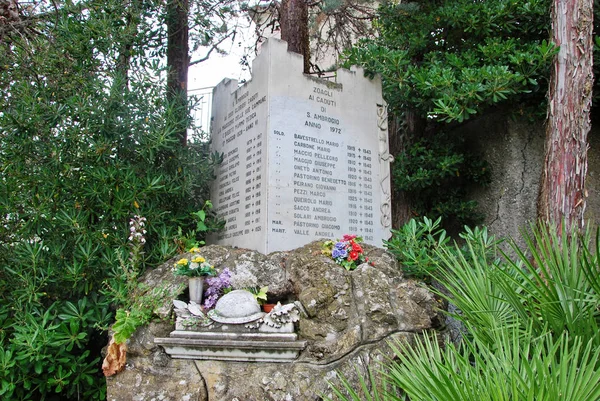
(451, 59)
(86, 143)
(139, 311)
(445, 62)
(436, 172)
(414, 245)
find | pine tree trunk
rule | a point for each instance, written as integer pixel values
(178, 62)
(293, 21)
(562, 197)
(9, 12)
(128, 38)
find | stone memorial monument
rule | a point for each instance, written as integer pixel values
(304, 157)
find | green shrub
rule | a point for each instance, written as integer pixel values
(510, 368)
(436, 173)
(443, 63)
(451, 60)
(550, 285)
(418, 243)
(82, 151)
(414, 245)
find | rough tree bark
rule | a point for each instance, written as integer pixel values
(9, 11)
(9, 16)
(293, 21)
(130, 32)
(562, 192)
(178, 61)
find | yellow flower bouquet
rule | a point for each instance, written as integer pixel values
(196, 266)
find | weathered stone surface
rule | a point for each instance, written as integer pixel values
(178, 380)
(268, 270)
(350, 318)
(141, 342)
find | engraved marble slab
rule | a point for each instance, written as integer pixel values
(304, 158)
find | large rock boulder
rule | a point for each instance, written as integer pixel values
(350, 317)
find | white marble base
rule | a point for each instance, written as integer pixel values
(242, 347)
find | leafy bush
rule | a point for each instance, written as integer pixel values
(418, 244)
(84, 146)
(443, 63)
(435, 174)
(551, 286)
(532, 327)
(414, 245)
(511, 368)
(451, 60)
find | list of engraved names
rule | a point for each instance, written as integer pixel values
(332, 172)
(240, 178)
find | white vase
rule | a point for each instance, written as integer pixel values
(196, 287)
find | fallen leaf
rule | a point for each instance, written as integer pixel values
(115, 359)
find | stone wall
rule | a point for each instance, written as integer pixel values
(515, 151)
(349, 317)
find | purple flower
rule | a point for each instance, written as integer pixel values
(211, 301)
(339, 253)
(216, 286)
(340, 245)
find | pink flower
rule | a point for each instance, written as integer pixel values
(348, 237)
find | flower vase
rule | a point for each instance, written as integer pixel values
(196, 285)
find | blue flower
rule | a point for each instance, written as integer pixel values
(339, 253)
(340, 245)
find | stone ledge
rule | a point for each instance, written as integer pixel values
(208, 335)
(232, 350)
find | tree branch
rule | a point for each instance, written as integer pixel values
(212, 48)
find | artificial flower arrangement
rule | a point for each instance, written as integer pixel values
(217, 286)
(196, 266)
(224, 283)
(346, 252)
